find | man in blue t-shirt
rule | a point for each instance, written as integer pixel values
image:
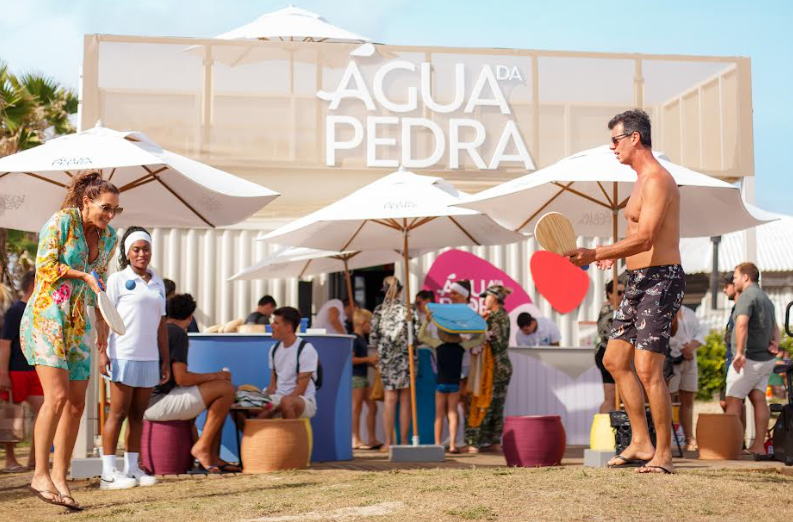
(18, 380)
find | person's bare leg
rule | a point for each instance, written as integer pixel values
(440, 415)
(120, 401)
(11, 458)
(687, 417)
(371, 418)
(357, 406)
(761, 416)
(138, 404)
(453, 401)
(389, 416)
(66, 436)
(617, 360)
(55, 382)
(404, 416)
(35, 402)
(734, 405)
(218, 396)
(609, 396)
(649, 367)
(292, 407)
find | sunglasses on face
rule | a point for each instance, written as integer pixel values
(107, 209)
(616, 139)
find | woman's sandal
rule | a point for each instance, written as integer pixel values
(73, 505)
(55, 500)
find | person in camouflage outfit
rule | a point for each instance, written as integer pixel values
(390, 336)
(488, 434)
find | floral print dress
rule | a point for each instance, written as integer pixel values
(55, 330)
(390, 336)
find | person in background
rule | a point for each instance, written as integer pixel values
(536, 331)
(755, 341)
(18, 380)
(460, 293)
(293, 364)
(486, 436)
(449, 349)
(187, 394)
(263, 312)
(170, 291)
(57, 335)
(333, 315)
(390, 336)
(134, 362)
(605, 318)
(361, 390)
(688, 335)
(423, 298)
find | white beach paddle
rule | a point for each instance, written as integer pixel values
(555, 233)
(109, 312)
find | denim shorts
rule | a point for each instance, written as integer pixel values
(447, 388)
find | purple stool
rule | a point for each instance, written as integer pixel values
(165, 447)
(534, 440)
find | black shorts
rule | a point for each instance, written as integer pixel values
(604, 373)
(652, 297)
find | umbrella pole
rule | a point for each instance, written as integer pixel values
(615, 302)
(348, 278)
(413, 410)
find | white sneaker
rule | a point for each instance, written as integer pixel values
(116, 480)
(142, 479)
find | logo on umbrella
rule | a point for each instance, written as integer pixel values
(11, 201)
(71, 162)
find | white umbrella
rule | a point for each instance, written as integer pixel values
(399, 211)
(291, 25)
(592, 186)
(302, 262)
(158, 188)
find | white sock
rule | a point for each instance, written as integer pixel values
(108, 464)
(130, 462)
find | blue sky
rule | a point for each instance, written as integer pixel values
(46, 36)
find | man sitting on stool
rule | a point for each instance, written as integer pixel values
(293, 364)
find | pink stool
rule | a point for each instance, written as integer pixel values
(534, 440)
(165, 447)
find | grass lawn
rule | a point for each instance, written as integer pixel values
(461, 492)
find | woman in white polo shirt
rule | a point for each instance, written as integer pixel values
(136, 361)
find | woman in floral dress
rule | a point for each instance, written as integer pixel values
(390, 335)
(487, 435)
(56, 333)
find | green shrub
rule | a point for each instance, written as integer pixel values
(710, 362)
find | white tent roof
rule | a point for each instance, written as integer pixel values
(293, 24)
(774, 248)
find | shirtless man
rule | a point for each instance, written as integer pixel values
(653, 293)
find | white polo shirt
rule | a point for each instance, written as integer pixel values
(142, 306)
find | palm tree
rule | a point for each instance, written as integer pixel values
(33, 108)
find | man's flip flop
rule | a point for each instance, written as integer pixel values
(759, 457)
(16, 469)
(229, 468)
(628, 463)
(662, 469)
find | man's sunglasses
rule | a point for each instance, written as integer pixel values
(616, 139)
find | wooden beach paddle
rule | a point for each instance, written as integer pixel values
(555, 233)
